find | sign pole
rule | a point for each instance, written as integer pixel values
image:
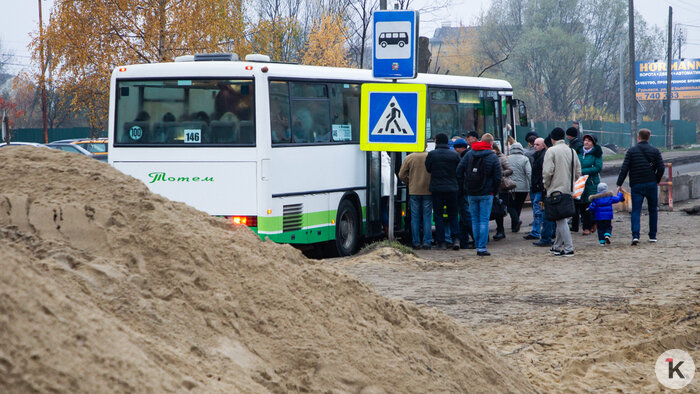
(391, 197)
(633, 87)
(394, 117)
(667, 104)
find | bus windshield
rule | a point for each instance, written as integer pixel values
(184, 112)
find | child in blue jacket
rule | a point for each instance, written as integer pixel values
(602, 206)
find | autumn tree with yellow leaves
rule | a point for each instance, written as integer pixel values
(326, 42)
(277, 38)
(86, 39)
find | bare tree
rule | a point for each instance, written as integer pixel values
(360, 18)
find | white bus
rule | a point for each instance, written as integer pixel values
(276, 146)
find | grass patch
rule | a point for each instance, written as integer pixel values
(614, 157)
(388, 244)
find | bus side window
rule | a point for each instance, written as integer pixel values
(345, 112)
(310, 112)
(468, 116)
(279, 113)
(444, 117)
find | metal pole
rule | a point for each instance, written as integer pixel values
(391, 197)
(622, 83)
(382, 6)
(42, 81)
(633, 84)
(5, 129)
(669, 61)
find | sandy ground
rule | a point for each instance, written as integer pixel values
(595, 322)
(106, 287)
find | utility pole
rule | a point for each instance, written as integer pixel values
(42, 80)
(5, 125)
(633, 83)
(669, 61)
(622, 84)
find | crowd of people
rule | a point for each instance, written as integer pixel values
(463, 184)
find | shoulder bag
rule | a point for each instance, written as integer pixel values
(560, 205)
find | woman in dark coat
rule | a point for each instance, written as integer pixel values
(591, 157)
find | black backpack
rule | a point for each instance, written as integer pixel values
(476, 173)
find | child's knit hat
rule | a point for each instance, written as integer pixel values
(602, 187)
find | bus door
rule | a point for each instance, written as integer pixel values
(373, 224)
(505, 119)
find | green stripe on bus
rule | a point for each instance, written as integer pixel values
(307, 236)
(275, 223)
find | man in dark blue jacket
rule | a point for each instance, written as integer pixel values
(480, 173)
(645, 166)
(442, 163)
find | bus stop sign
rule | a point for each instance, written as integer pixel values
(395, 44)
(393, 117)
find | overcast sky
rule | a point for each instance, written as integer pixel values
(19, 18)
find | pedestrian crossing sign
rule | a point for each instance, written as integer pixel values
(393, 117)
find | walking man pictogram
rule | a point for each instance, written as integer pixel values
(393, 116)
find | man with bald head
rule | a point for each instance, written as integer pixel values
(537, 192)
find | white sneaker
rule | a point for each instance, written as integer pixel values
(652, 240)
(635, 241)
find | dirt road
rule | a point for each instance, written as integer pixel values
(593, 322)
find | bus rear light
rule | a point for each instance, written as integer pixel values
(250, 221)
(269, 211)
(122, 69)
(248, 68)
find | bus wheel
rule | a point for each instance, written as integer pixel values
(401, 44)
(383, 44)
(347, 229)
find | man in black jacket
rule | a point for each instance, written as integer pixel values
(481, 162)
(442, 163)
(645, 166)
(572, 136)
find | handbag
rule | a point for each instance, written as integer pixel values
(498, 208)
(507, 184)
(560, 205)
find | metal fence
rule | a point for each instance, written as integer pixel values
(684, 132)
(37, 134)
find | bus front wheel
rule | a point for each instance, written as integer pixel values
(347, 229)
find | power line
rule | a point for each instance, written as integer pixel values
(13, 55)
(685, 24)
(684, 7)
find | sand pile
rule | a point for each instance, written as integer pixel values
(105, 286)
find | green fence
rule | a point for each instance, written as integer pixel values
(619, 133)
(37, 134)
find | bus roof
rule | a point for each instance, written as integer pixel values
(242, 69)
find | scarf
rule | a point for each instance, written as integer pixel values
(587, 151)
